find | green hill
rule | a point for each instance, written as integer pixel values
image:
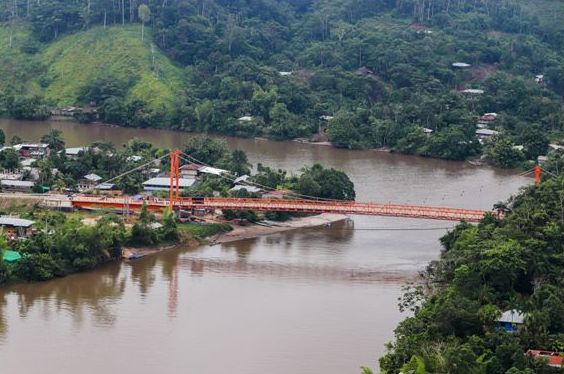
(382, 69)
(18, 70)
(76, 61)
(64, 70)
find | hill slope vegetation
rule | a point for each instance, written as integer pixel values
(382, 69)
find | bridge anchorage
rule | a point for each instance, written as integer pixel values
(294, 202)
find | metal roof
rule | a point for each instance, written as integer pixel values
(14, 221)
(242, 178)
(486, 132)
(211, 170)
(165, 182)
(105, 186)
(12, 183)
(75, 151)
(512, 316)
(251, 189)
(93, 177)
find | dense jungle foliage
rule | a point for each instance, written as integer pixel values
(382, 68)
(516, 263)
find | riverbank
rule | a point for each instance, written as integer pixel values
(237, 233)
(253, 231)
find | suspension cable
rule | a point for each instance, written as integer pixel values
(198, 162)
(126, 173)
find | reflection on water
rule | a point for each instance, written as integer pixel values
(307, 301)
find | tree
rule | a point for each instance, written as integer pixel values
(325, 183)
(144, 14)
(2, 137)
(535, 142)
(16, 140)
(4, 273)
(342, 131)
(54, 139)
(205, 149)
(239, 163)
(501, 152)
(9, 159)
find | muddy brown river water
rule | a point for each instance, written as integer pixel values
(309, 301)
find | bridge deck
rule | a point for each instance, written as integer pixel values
(282, 205)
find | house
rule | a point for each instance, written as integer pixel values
(134, 158)
(461, 65)
(485, 134)
(488, 117)
(541, 159)
(242, 178)
(153, 172)
(511, 320)
(108, 189)
(285, 73)
(472, 91)
(163, 184)
(556, 147)
(75, 152)
(539, 78)
(245, 119)
(364, 72)
(326, 118)
(12, 175)
(553, 359)
(16, 186)
(67, 111)
(155, 225)
(250, 189)
(14, 227)
(88, 182)
(426, 131)
(32, 150)
(27, 162)
(189, 170)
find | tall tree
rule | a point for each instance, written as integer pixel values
(144, 14)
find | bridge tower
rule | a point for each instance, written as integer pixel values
(537, 175)
(174, 187)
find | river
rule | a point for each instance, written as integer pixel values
(309, 301)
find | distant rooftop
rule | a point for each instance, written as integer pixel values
(15, 222)
(512, 316)
(163, 182)
(461, 65)
(93, 177)
(75, 151)
(473, 91)
(13, 183)
(251, 189)
(486, 132)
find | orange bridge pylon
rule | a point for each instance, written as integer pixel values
(174, 189)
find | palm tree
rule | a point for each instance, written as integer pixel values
(54, 140)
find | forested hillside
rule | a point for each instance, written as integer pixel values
(514, 264)
(382, 69)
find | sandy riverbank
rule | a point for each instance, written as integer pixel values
(241, 233)
(252, 231)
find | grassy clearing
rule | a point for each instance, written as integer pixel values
(73, 62)
(77, 60)
(202, 231)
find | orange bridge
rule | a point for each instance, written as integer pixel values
(285, 205)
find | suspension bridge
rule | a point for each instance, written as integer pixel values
(292, 203)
